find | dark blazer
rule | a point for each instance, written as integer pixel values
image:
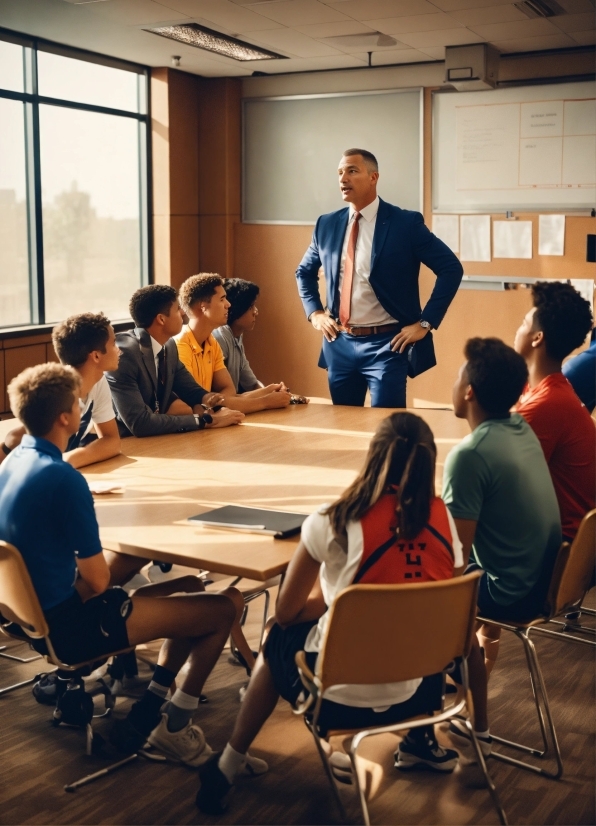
(401, 243)
(134, 387)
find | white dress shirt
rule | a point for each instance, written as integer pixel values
(157, 348)
(365, 308)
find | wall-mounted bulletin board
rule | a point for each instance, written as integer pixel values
(526, 148)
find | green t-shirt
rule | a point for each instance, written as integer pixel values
(498, 477)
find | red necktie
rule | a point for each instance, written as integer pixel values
(345, 298)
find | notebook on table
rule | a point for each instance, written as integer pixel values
(279, 524)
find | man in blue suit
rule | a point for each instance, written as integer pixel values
(375, 332)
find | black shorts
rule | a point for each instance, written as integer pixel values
(522, 610)
(280, 650)
(82, 631)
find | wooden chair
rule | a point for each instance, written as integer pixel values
(19, 604)
(569, 583)
(389, 633)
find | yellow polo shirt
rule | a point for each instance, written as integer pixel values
(201, 362)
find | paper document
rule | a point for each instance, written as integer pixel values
(585, 287)
(474, 238)
(551, 235)
(512, 239)
(446, 227)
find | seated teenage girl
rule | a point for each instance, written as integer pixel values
(391, 499)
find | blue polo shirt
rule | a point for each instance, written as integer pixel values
(580, 371)
(47, 513)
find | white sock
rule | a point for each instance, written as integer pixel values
(156, 688)
(186, 701)
(180, 710)
(231, 763)
(483, 734)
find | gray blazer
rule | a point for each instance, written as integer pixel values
(134, 388)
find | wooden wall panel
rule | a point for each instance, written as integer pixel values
(283, 346)
(184, 243)
(16, 359)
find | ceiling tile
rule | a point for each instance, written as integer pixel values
(436, 52)
(445, 37)
(417, 23)
(356, 49)
(298, 12)
(226, 15)
(319, 30)
(455, 5)
(522, 28)
(293, 42)
(489, 14)
(577, 6)
(584, 38)
(310, 64)
(401, 56)
(533, 44)
(371, 9)
(135, 12)
(575, 22)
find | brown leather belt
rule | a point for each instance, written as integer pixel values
(371, 331)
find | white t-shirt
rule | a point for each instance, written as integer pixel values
(101, 397)
(338, 570)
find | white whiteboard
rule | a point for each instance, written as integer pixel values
(292, 147)
(526, 148)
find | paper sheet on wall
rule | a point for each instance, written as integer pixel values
(446, 227)
(474, 242)
(551, 235)
(585, 287)
(512, 239)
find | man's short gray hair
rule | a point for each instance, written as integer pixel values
(369, 159)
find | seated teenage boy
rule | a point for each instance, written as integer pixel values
(43, 498)
(204, 300)
(152, 391)
(556, 325)
(390, 500)
(497, 486)
(242, 317)
(87, 343)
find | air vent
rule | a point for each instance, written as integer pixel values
(362, 41)
(203, 38)
(540, 8)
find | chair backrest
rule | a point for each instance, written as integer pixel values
(577, 574)
(18, 600)
(389, 633)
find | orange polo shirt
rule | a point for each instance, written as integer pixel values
(201, 362)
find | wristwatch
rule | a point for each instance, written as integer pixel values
(426, 324)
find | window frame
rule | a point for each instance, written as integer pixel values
(32, 101)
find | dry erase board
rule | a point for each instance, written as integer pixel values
(292, 146)
(526, 148)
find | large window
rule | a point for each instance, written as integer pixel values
(73, 184)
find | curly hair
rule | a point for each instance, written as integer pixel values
(199, 288)
(562, 315)
(80, 335)
(150, 301)
(40, 394)
(241, 294)
(497, 374)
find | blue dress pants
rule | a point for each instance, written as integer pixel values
(358, 363)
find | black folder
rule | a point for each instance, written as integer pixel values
(279, 524)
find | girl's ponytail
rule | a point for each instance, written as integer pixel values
(416, 491)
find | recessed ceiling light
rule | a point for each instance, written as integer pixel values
(203, 38)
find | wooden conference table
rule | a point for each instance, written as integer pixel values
(294, 459)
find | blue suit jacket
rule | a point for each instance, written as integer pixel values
(401, 243)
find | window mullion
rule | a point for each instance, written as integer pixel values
(33, 173)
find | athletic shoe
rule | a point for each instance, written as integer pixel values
(185, 746)
(426, 754)
(214, 795)
(460, 737)
(254, 766)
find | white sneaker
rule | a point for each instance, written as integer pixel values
(460, 737)
(254, 766)
(186, 746)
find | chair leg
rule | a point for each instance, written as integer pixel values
(328, 772)
(482, 763)
(18, 685)
(18, 659)
(542, 709)
(565, 632)
(84, 781)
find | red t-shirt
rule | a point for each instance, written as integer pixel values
(567, 434)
